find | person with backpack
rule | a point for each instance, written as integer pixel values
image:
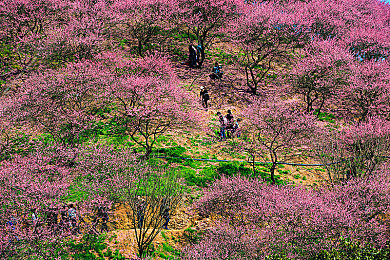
(204, 95)
(216, 72)
(222, 125)
(164, 212)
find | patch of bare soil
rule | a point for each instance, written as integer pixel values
(181, 220)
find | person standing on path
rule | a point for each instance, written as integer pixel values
(222, 125)
(230, 123)
(192, 56)
(164, 211)
(141, 208)
(204, 95)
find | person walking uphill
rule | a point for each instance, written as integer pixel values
(222, 125)
(204, 95)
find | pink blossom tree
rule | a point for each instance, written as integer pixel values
(291, 221)
(320, 74)
(30, 183)
(63, 103)
(23, 26)
(354, 151)
(144, 19)
(39, 34)
(276, 128)
(206, 20)
(150, 102)
(367, 91)
(266, 35)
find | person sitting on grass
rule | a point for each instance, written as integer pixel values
(216, 72)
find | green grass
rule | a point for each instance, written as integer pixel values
(93, 247)
(324, 116)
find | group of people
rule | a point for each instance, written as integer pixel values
(141, 210)
(194, 60)
(228, 126)
(64, 219)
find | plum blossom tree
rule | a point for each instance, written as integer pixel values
(320, 74)
(367, 92)
(206, 19)
(150, 102)
(266, 35)
(63, 103)
(144, 19)
(24, 23)
(28, 183)
(291, 221)
(354, 151)
(276, 127)
(45, 33)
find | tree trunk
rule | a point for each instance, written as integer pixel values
(253, 166)
(140, 48)
(146, 155)
(272, 171)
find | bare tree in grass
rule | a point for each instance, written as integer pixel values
(150, 195)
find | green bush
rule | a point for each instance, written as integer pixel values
(234, 168)
(173, 152)
(203, 179)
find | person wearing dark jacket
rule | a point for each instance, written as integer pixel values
(141, 208)
(230, 123)
(164, 212)
(204, 95)
(192, 56)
